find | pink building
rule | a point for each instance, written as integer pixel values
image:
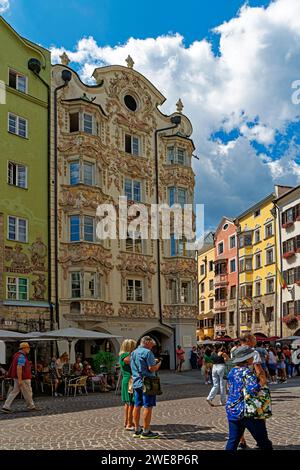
(226, 278)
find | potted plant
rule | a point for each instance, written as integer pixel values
(288, 254)
(103, 362)
(287, 224)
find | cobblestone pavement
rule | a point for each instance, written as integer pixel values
(182, 416)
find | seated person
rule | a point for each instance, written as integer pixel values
(77, 367)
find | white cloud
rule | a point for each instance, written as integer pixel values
(246, 89)
(4, 5)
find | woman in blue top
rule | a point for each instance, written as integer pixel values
(239, 378)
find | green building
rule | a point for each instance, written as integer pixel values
(25, 71)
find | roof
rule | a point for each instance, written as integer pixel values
(287, 193)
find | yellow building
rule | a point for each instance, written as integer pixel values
(258, 275)
(206, 274)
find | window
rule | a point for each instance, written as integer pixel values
(177, 196)
(289, 246)
(17, 229)
(92, 285)
(134, 242)
(202, 269)
(178, 246)
(220, 248)
(270, 256)
(82, 172)
(258, 288)
(74, 228)
(232, 242)
(202, 306)
(134, 290)
(269, 314)
(17, 175)
(268, 230)
(17, 81)
(221, 293)
(74, 122)
(232, 265)
(17, 125)
(245, 240)
(233, 292)
(176, 156)
(220, 268)
(257, 316)
(231, 318)
(130, 102)
(75, 285)
(256, 213)
(270, 286)
(211, 304)
(202, 287)
(292, 275)
(211, 265)
(246, 291)
(88, 123)
(257, 236)
(17, 288)
(88, 228)
(258, 261)
(82, 228)
(132, 144)
(245, 264)
(185, 292)
(249, 317)
(225, 226)
(211, 284)
(173, 291)
(132, 190)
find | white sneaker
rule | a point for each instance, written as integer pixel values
(55, 394)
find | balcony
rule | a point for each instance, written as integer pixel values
(87, 309)
(288, 254)
(220, 305)
(288, 224)
(221, 280)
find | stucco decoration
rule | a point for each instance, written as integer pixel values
(97, 308)
(182, 267)
(136, 264)
(85, 145)
(19, 261)
(83, 198)
(136, 311)
(177, 175)
(39, 287)
(84, 254)
(180, 311)
(38, 254)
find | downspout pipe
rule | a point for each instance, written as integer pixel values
(175, 120)
(66, 76)
(34, 66)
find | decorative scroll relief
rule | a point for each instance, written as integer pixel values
(136, 311)
(180, 311)
(136, 264)
(20, 262)
(177, 176)
(182, 267)
(86, 255)
(97, 308)
(87, 198)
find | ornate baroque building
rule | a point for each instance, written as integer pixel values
(111, 141)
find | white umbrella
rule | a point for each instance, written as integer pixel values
(72, 334)
(288, 338)
(7, 335)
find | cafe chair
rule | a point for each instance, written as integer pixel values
(77, 383)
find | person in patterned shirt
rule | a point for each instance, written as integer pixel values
(240, 378)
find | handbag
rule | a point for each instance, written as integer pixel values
(130, 385)
(151, 386)
(258, 406)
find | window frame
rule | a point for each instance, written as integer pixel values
(18, 74)
(17, 165)
(10, 114)
(134, 290)
(17, 229)
(17, 278)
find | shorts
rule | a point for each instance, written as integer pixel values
(141, 399)
(272, 369)
(281, 365)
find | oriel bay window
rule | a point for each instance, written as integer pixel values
(134, 290)
(17, 288)
(291, 245)
(85, 122)
(245, 264)
(245, 239)
(291, 308)
(176, 156)
(292, 275)
(134, 243)
(185, 292)
(177, 196)
(178, 246)
(246, 291)
(81, 171)
(221, 293)
(220, 268)
(82, 228)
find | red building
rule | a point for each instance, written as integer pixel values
(226, 278)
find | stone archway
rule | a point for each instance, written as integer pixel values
(164, 344)
(297, 332)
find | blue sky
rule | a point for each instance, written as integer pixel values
(233, 65)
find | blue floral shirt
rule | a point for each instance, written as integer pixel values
(238, 378)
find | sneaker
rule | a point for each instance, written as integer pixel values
(55, 394)
(206, 383)
(36, 408)
(150, 435)
(210, 402)
(6, 410)
(137, 433)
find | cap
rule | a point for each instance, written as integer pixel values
(24, 345)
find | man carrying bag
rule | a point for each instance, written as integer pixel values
(145, 385)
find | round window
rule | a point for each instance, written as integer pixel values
(225, 226)
(130, 102)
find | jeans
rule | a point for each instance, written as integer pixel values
(218, 383)
(256, 427)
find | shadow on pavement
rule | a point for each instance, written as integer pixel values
(188, 433)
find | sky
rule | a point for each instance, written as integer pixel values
(233, 64)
